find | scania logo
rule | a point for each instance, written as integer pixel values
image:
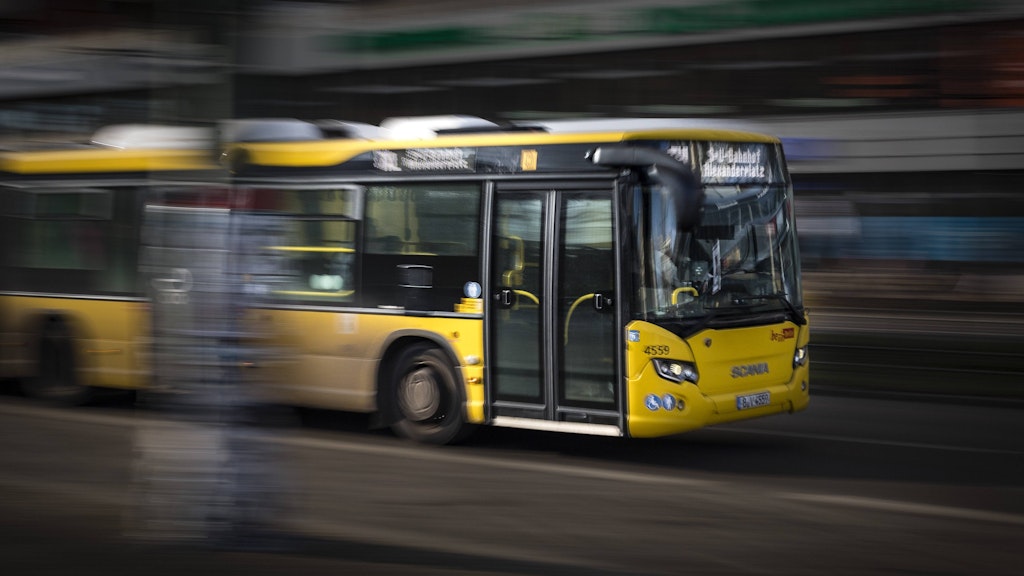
(786, 334)
(744, 370)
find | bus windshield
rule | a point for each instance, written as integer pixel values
(741, 260)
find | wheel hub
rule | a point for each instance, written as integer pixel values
(419, 395)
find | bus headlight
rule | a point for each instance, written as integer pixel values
(675, 370)
(800, 357)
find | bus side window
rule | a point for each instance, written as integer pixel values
(421, 224)
(315, 243)
(86, 233)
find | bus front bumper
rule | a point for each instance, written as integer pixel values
(661, 408)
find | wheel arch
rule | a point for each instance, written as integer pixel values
(53, 323)
(60, 332)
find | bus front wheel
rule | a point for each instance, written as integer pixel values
(425, 400)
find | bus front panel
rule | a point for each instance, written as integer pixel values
(715, 376)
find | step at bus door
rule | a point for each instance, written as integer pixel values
(552, 314)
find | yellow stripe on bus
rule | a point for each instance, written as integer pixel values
(104, 160)
(333, 249)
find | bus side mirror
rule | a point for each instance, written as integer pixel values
(686, 191)
(677, 178)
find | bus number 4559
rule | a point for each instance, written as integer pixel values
(656, 350)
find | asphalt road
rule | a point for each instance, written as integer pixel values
(851, 486)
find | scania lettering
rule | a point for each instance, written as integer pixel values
(749, 370)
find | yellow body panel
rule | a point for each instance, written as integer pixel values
(94, 160)
(333, 358)
(716, 354)
(110, 338)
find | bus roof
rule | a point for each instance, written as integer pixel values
(119, 148)
(332, 152)
(626, 125)
(289, 143)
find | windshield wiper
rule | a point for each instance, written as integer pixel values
(735, 271)
(798, 318)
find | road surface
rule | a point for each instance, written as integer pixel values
(851, 486)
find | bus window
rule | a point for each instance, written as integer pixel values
(65, 230)
(742, 257)
(75, 240)
(435, 225)
(432, 219)
(315, 241)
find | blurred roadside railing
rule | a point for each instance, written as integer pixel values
(928, 334)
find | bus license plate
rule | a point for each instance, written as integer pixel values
(753, 400)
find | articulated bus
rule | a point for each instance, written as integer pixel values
(633, 278)
(74, 315)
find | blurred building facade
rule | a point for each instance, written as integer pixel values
(902, 118)
(724, 57)
(70, 63)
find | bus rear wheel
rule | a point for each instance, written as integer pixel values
(56, 378)
(425, 400)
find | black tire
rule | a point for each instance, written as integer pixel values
(425, 400)
(56, 380)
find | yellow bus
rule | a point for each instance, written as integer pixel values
(74, 315)
(633, 278)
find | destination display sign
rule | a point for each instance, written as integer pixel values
(478, 159)
(425, 160)
(735, 162)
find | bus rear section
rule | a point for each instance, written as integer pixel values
(73, 314)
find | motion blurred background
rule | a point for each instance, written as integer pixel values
(903, 121)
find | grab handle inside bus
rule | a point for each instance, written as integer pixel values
(660, 168)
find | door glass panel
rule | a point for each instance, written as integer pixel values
(517, 285)
(586, 301)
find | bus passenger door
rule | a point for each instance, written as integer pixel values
(552, 312)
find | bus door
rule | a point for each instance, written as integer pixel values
(552, 338)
